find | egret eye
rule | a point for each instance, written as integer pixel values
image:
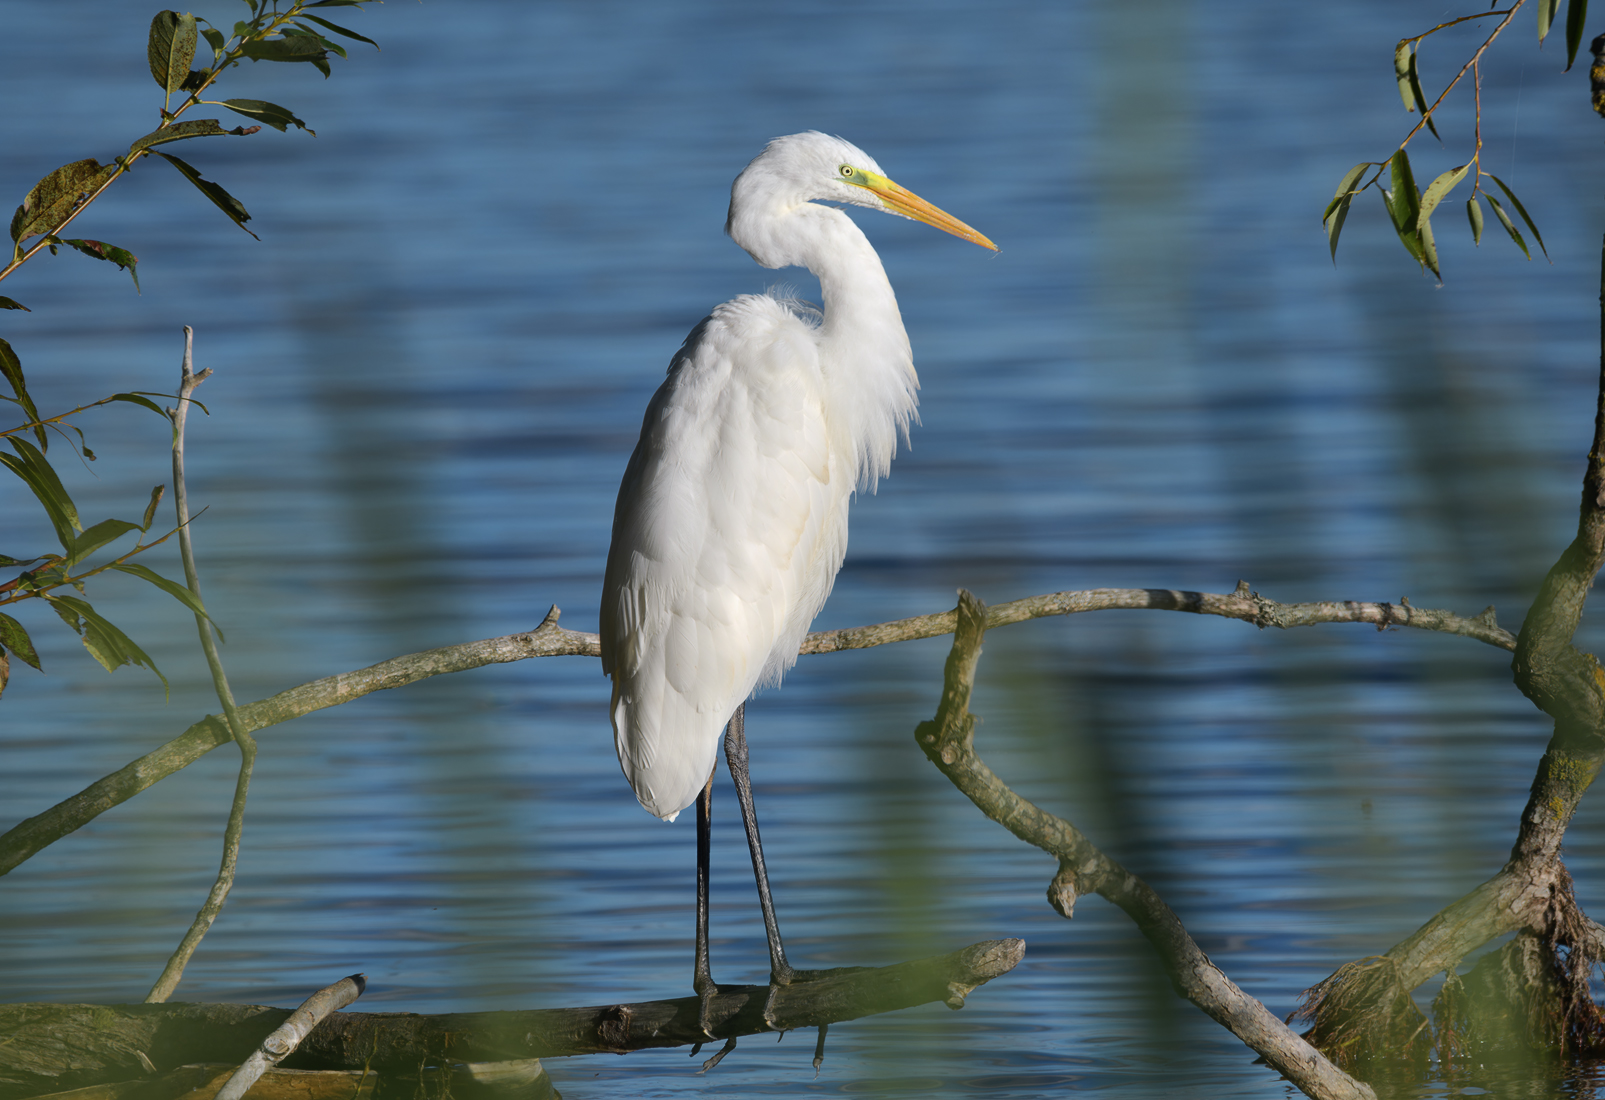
(847, 171)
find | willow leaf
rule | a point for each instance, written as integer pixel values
(1504, 220)
(16, 639)
(1522, 210)
(171, 48)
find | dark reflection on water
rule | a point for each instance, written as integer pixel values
(432, 369)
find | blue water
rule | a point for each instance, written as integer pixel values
(431, 370)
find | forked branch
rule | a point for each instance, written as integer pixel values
(949, 742)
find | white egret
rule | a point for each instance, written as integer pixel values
(731, 520)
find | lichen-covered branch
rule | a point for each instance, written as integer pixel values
(1531, 892)
(51, 1047)
(948, 740)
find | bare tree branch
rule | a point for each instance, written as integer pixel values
(291, 1034)
(1243, 604)
(173, 972)
(949, 742)
(551, 640)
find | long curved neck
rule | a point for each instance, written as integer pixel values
(864, 350)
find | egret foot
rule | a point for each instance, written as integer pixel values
(729, 1045)
(819, 1048)
(706, 992)
(794, 976)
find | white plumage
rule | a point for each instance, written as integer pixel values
(731, 520)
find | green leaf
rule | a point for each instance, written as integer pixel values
(1522, 210)
(1421, 100)
(1401, 73)
(106, 644)
(12, 303)
(1437, 189)
(150, 509)
(1346, 187)
(1546, 16)
(335, 4)
(178, 131)
(1576, 19)
(271, 113)
(11, 367)
(1407, 200)
(214, 38)
(295, 47)
(1334, 223)
(16, 639)
(30, 465)
(1474, 214)
(332, 47)
(56, 196)
(337, 29)
(102, 533)
(220, 198)
(100, 250)
(177, 591)
(1504, 220)
(1410, 239)
(136, 399)
(1429, 249)
(171, 48)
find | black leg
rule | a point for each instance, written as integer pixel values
(735, 751)
(781, 973)
(702, 977)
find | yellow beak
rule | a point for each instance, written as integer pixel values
(900, 200)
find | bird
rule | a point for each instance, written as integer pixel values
(731, 519)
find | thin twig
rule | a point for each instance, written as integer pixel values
(173, 972)
(1476, 57)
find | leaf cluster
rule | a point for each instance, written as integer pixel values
(276, 30)
(1410, 209)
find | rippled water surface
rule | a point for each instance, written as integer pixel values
(431, 370)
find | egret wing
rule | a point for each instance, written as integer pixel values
(730, 526)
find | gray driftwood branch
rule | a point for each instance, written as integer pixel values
(949, 741)
(50, 1047)
(288, 1036)
(551, 640)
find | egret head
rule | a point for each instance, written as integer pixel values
(815, 167)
